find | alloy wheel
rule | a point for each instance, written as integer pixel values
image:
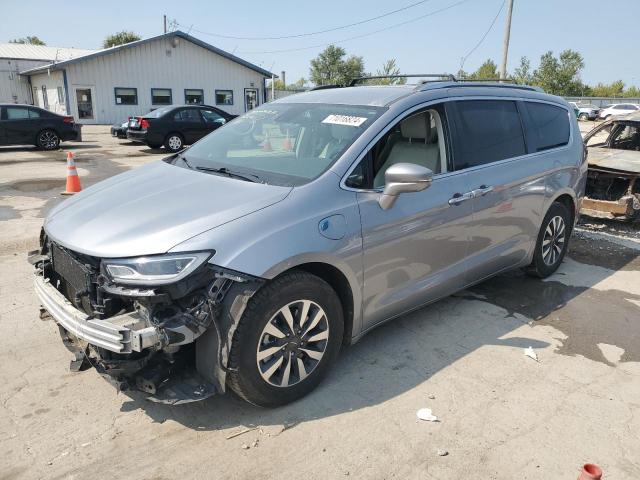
(48, 140)
(553, 240)
(292, 343)
(175, 142)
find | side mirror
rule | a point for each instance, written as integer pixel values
(403, 178)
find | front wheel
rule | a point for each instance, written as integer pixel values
(552, 242)
(287, 339)
(48, 140)
(583, 116)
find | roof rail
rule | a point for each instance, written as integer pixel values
(491, 83)
(324, 87)
(439, 76)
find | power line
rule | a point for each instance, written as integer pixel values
(464, 59)
(358, 36)
(318, 32)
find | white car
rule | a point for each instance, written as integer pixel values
(618, 109)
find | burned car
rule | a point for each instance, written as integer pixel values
(613, 188)
(249, 259)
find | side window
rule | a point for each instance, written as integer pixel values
(17, 113)
(34, 113)
(550, 126)
(187, 115)
(487, 131)
(212, 117)
(626, 137)
(418, 138)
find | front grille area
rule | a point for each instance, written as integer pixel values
(77, 275)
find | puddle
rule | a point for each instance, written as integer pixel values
(8, 213)
(587, 316)
(35, 185)
(602, 253)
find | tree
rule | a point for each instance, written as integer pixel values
(330, 67)
(614, 89)
(120, 38)
(488, 70)
(560, 76)
(388, 68)
(28, 40)
(523, 74)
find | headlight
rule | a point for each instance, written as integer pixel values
(156, 269)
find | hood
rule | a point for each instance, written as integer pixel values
(152, 208)
(624, 160)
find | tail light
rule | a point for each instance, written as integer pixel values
(68, 119)
(144, 123)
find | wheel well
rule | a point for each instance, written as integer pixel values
(340, 284)
(44, 130)
(568, 202)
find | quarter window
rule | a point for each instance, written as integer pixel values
(194, 96)
(224, 97)
(161, 96)
(487, 131)
(550, 126)
(126, 96)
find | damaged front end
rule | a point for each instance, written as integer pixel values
(167, 338)
(612, 193)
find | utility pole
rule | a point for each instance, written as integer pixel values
(165, 23)
(507, 33)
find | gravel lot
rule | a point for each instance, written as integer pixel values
(502, 415)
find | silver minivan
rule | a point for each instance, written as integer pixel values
(249, 259)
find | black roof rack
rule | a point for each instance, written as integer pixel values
(324, 87)
(440, 76)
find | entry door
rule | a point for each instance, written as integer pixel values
(85, 105)
(250, 99)
(415, 251)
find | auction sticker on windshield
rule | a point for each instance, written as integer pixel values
(345, 120)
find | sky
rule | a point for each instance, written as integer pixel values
(448, 30)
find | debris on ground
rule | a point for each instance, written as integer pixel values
(426, 415)
(442, 453)
(530, 353)
(241, 432)
(432, 397)
(245, 446)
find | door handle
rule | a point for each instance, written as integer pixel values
(482, 191)
(459, 198)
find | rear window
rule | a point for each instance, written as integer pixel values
(550, 126)
(487, 131)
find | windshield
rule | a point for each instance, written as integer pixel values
(285, 144)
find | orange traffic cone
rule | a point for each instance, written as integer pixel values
(590, 471)
(287, 143)
(73, 180)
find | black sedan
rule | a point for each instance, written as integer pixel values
(29, 125)
(120, 131)
(175, 126)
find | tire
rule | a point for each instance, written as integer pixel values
(174, 142)
(48, 140)
(263, 340)
(583, 116)
(552, 241)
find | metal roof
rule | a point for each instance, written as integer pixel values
(177, 33)
(22, 51)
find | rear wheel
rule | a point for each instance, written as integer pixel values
(583, 116)
(48, 140)
(174, 142)
(286, 340)
(552, 242)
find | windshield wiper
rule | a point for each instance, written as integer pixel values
(229, 173)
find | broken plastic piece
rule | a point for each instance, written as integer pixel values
(427, 415)
(530, 353)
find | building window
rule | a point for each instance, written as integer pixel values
(194, 96)
(161, 96)
(61, 96)
(224, 97)
(126, 96)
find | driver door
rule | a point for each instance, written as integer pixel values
(414, 252)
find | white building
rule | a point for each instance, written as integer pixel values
(107, 86)
(17, 57)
